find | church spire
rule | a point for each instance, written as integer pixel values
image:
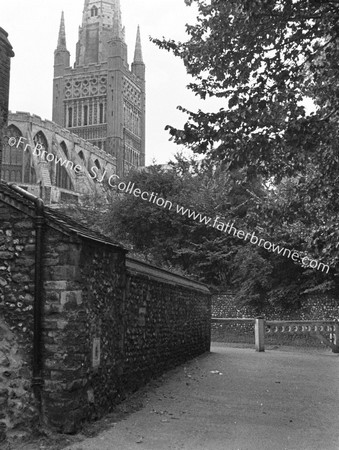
(138, 50)
(62, 34)
(61, 54)
(138, 66)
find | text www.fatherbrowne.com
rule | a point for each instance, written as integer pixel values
(154, 198)
(220, 226)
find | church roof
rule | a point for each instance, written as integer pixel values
(54, 218)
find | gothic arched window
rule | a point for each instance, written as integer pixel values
(29, 171)
(64, 149)
(12, 157)
(81, 156)
(62, 179)
(94, 11)
(40, 138)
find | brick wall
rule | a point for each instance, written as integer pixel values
(109, 325)
(5, 61)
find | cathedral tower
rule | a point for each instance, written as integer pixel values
(101, 99)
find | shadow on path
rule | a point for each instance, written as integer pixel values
(231, 399)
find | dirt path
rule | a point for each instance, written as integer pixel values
(236, 399)
(230, 399)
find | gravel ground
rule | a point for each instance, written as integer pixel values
(231, 399)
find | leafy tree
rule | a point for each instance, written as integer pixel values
(264, 58)
(164, 237)
(169, 238)
(270, 164)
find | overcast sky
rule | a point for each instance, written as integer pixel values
(33, 30)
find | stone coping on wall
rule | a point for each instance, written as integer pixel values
(142, 268)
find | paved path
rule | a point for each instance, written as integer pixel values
(235, 399)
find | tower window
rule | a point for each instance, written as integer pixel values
(101, 113)
(94, 11)
(70, 114)
(85, 115)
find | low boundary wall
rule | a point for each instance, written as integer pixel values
(307, 333)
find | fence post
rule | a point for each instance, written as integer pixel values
(335, 348)
(259, 334)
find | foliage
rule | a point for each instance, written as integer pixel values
(91, 211)
(169, 238)
(269, 164)
(166, 238)
(264, 58)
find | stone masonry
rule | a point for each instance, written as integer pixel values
(17, 240)
(110, 323)
(6, 53)
(311, 307)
